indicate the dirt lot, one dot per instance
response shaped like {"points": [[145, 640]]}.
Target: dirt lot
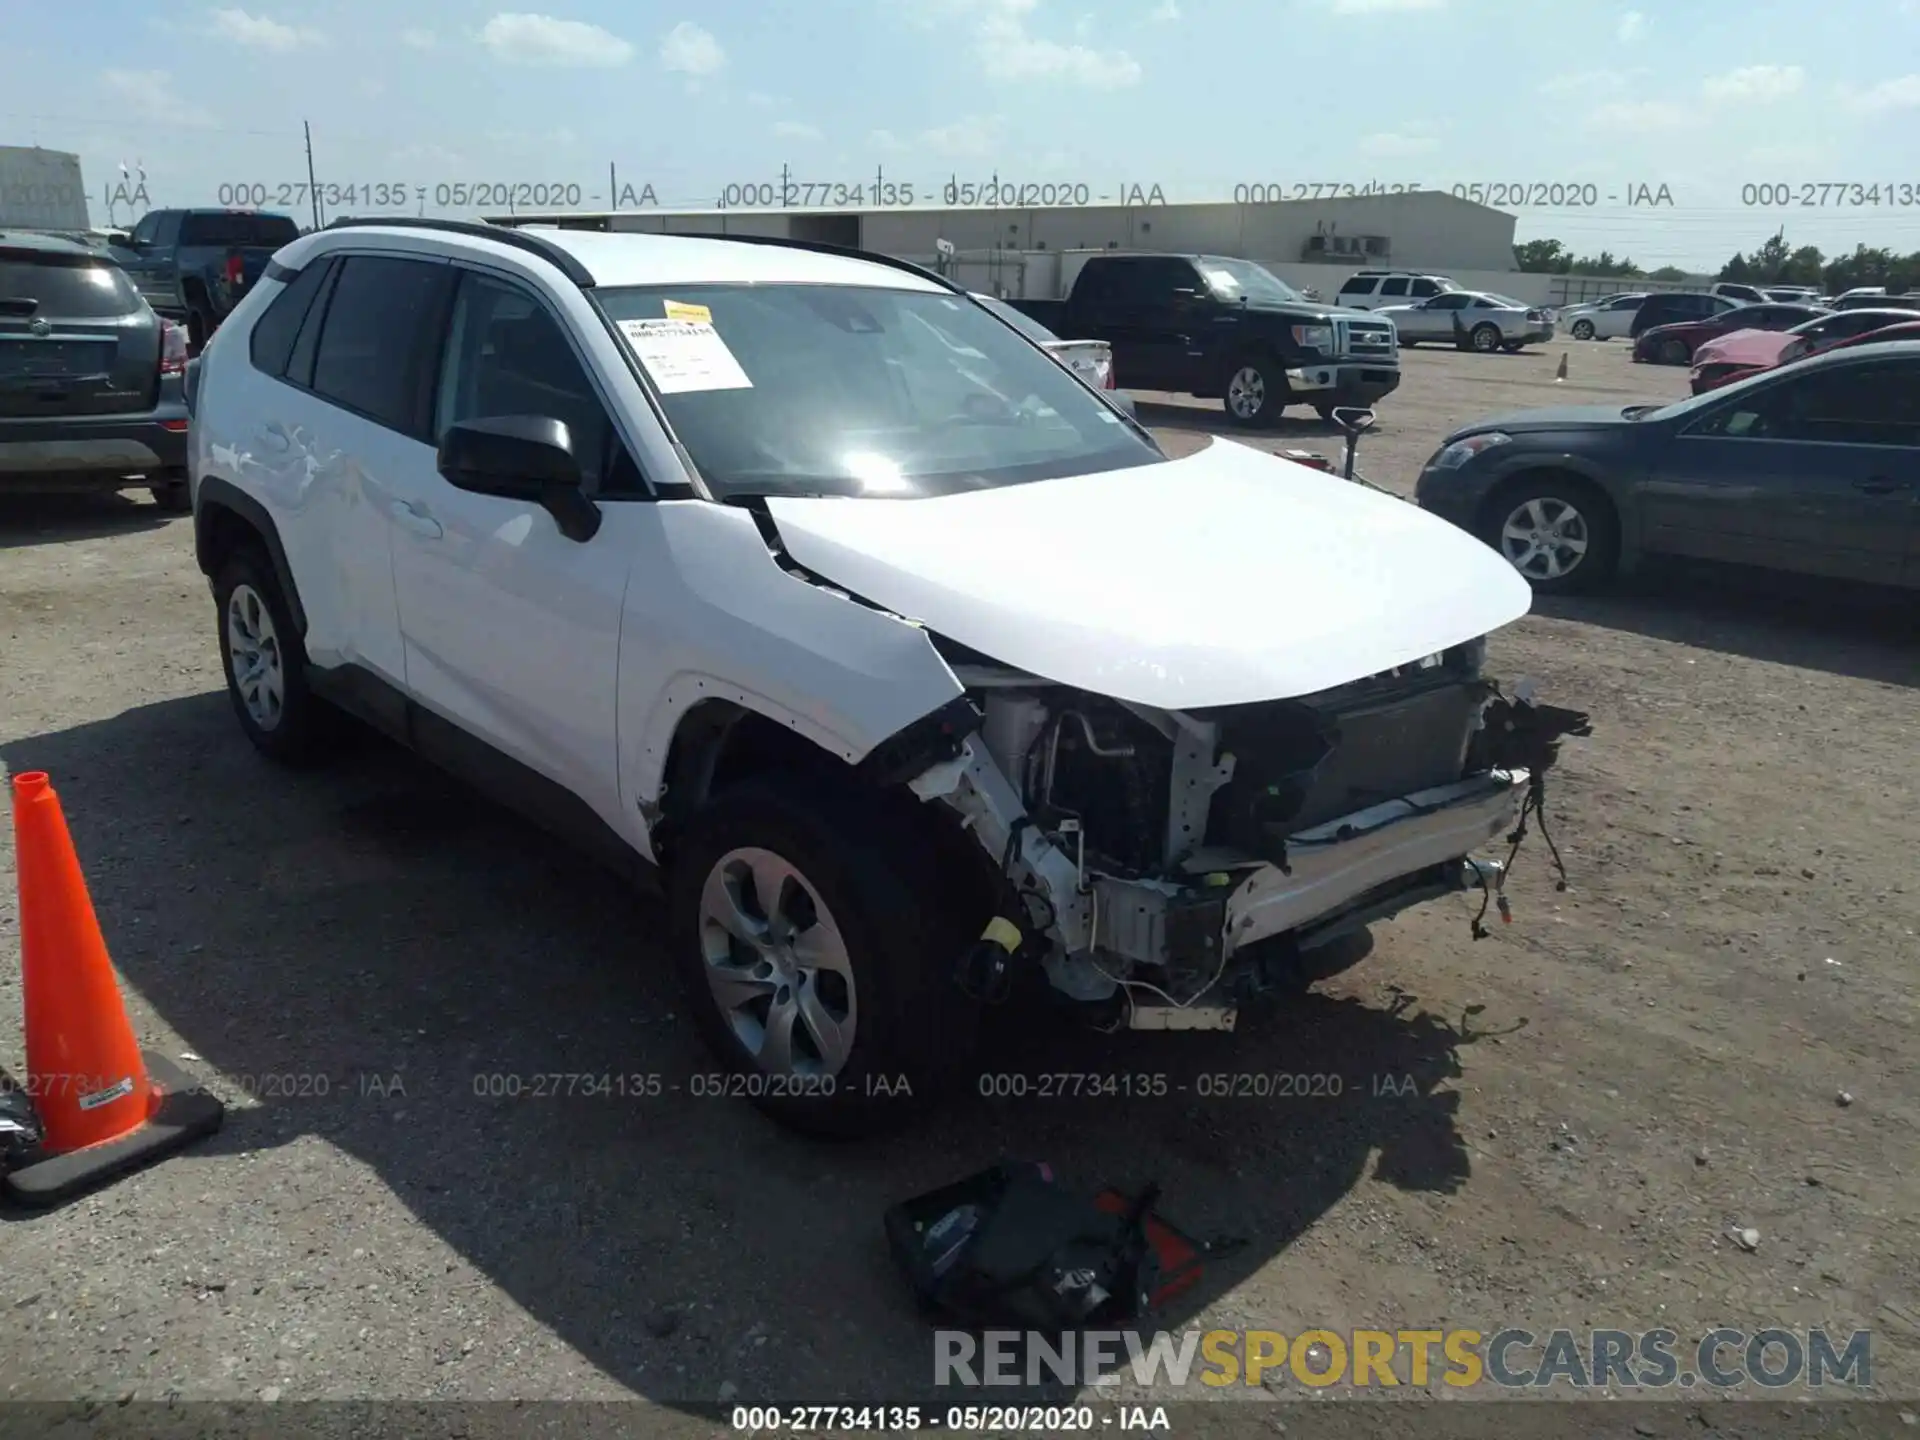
{"points": [[1604, 1088]]}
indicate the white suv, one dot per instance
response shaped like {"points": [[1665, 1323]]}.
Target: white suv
{"points": [[797, 581], [1375, 289]]}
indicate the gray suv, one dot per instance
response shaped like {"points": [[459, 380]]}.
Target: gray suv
{"points": [[91, 379]]}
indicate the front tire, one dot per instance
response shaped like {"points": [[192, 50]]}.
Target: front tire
{"points": [[1484, 337], [1559, 531], [1256, 393], [830, 999], [266, 665], [1583, 330], [1674, 352]]}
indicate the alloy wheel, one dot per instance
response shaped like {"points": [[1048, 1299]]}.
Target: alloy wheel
{"points": [[1545, 538], [254, 658], [777, 964], [1246, 392]]}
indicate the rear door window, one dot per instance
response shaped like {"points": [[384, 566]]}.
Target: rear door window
{"points": [[1396, 286], [375, 335], [1359, 285], [56, 286], [274, 332]]}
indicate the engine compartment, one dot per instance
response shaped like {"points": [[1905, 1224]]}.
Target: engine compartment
{"points": [[1142, 849]]}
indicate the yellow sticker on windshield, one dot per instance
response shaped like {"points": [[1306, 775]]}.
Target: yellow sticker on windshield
{"points": [[679, 310]]}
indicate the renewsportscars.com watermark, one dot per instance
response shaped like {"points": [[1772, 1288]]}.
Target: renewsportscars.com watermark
{"points": [[1513, 1359]]}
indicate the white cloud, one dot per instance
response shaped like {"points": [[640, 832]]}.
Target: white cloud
{"points": [[1010, 53], [149, 96], [691, 51], [1639, 116], [418, 39], [971, 138], [432, 157], [1790, 155], [1384, 7], [1632, 26], [1760, 83], [1901, 93], [522, 39], [1586, 84], [1399, 144], [796, 130], [760, 100], [258, 32], [1165, 10]]}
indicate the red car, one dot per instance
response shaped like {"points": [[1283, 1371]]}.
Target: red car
{"points": [[1719, 374], [1674, 344]]}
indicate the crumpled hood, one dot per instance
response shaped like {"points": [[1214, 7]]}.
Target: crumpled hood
{"points": [[1223, 578]]}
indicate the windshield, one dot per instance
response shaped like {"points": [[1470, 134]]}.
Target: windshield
{"points": [[1234, 279], [862, 391], [1701, 401], [1025, 324]]}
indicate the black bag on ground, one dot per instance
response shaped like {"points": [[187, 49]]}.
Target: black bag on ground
{"points": [[1010, 1248]]}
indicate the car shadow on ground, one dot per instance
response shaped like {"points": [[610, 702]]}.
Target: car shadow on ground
{"points": [[411, 961], [50, 519], [1862, 631]]}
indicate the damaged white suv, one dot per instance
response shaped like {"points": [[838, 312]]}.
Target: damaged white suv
{"points": [[798, 580]]}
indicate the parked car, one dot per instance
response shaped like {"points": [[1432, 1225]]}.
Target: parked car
{"points": [[90, 377], [1743, 351], [1217, 327], [1877, 301], [1671, 306], [1745, 294], [1607, 318], [1092, 360], [1371, 289], [1471, 318], [1813, 467], [698, 549], [1674, 344], [193, 266], [1794, 294]]}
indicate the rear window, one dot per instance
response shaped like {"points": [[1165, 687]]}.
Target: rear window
{"points": [[72, 287], [239, 228]]}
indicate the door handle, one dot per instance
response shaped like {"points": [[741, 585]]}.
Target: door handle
{"points": [[1881, 485], [408, 518]]}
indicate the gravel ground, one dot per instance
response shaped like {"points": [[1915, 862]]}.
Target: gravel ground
{"points": [[1605, 1088]]}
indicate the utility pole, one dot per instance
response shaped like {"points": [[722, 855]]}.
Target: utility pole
{"points": [[613, 186], [313, 189]]}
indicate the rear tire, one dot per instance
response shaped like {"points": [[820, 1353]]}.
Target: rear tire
{"points": [[1674, 352], [1256, 392], [876, 1026], [1484, 337], [1559, 531], [266, 665]]}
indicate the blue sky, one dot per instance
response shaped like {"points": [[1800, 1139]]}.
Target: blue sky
{"points": [[1193, 95]]}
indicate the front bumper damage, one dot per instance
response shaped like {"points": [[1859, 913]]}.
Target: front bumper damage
{"points": [[1209, 923]]}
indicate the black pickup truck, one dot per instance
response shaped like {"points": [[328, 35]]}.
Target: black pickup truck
{"points": [[1227, 330], [194, 265]]}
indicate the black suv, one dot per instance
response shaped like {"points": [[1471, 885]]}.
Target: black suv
{"points": [[91, 380], [1673, 306]]}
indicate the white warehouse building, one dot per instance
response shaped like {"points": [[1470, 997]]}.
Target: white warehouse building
{"points": [[1033, 253]]}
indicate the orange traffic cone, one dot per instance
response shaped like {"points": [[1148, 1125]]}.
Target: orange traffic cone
{"points": [[103, 1107], [1561, 374]]}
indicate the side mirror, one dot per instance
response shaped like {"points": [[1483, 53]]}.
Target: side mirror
{"points": [[521, 457]]}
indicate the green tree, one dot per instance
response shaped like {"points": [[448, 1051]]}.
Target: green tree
{"points": [[1667, 272], [1737, 269], [1605, 263], [1542, 257]]}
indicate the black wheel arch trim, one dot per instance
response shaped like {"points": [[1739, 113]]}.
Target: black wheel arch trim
{"points": [[218, 494], [933, 738]]}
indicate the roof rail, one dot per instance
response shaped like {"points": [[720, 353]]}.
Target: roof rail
{"points": [[819, 247], [534, 244]]}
